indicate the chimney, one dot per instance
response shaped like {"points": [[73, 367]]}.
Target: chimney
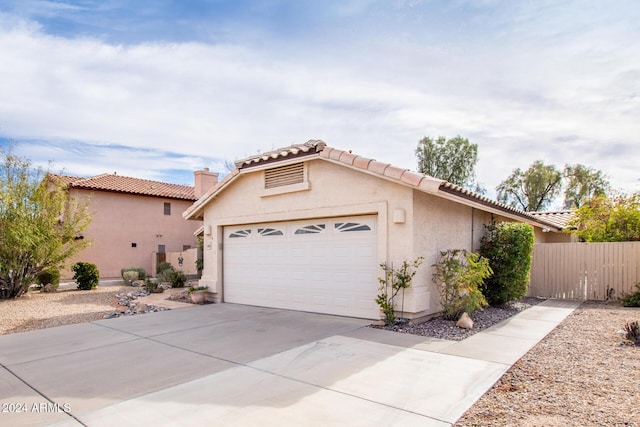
{"points": [[204, 181]]}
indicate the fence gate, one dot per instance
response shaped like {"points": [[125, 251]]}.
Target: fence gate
{"points": [[596, 271]]}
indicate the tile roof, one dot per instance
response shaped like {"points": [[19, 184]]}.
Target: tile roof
{"points": [[419, 181], [557, 218], [298, 150], [128, 185]]}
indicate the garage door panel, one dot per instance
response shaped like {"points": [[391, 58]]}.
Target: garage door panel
{"points": [[326, 266]]}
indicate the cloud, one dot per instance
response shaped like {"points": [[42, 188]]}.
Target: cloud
{"points": [[525, 81]]}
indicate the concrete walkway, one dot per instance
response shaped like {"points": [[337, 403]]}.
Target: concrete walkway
{"points": [[227, 364]]}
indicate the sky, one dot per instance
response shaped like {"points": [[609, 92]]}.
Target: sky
{"points": [[156, 89]]}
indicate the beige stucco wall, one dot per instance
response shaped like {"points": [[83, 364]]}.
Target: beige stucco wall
{"points": [[118, 220], [431, 224]]}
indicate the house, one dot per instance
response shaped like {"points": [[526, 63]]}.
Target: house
{"points": [[306, 228], [134, 218]]}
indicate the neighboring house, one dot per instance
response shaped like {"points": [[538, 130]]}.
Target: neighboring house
{"points": [[306, 228], [134, 218], [560, 219]]}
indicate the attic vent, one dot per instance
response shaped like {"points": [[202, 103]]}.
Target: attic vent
{"points": [[284, 175]]}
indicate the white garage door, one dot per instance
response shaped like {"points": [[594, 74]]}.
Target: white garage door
{"points": [[320, 265]]}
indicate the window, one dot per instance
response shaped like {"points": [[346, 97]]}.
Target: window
{"points": [[284, 175], [269, 232], [186, 247], [134, 245], [311, 229], [240, 233], [161, 249], [351, 226], [167, 208]]}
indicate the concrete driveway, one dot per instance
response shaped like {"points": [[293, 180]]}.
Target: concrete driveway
{"points": [[227, 364]]}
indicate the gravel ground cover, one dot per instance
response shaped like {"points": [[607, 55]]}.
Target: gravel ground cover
{"points": [[438, 327], [581, 374], [38, 310]]}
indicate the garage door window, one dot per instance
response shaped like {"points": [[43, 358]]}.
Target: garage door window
{"points": [[270, 232], [311, 229], [344, 227], [240, 233]]}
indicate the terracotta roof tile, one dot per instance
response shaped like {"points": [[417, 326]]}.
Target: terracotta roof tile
{"points": [[394, 172], [377, 167], [557, 218], [129, 185], [293, 151], [422, 182]]}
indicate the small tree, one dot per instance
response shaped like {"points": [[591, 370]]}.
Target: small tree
{"points": [[459, 274], [396, 279], [40, 225], [608, 219], [508, 246]]}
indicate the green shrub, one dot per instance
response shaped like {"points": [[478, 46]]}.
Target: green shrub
{"points": [[163, 266], [508, 246], [632, 300], [152, 287], [142, 274], [86, 275], [176, 278], [49, 276], [458, 275], [396, 280]]}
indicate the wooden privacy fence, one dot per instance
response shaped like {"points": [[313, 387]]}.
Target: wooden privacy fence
{"points": [[582, 271]]}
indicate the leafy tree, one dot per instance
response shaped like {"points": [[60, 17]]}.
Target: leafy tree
{"points": [[459, 274], [608, 219], [583, 184], [453, 160], [39, 224], [509, 248], [531, 190]]}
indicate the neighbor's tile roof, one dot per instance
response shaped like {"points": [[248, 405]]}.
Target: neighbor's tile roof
{"points": [[557, 218], [318, 148], [128, 185]]}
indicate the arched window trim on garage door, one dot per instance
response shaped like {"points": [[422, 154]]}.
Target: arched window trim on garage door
{"points": [[344, 227], [240, 233], [311, 229], [270, 232]]}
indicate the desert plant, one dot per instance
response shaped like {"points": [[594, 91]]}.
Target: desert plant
{"points": [[176, 278], [163, 266], [86, 275], [142, 274], [508, 246], [50, 276], [632, 332], [152, 287], [459, 274], [197, 288], [396, 279], [164, 274], [129, 276], [633, 299]]}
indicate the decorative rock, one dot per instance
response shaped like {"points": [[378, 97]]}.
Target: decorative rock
{"points": [[49, 287], [465, 321], [378, 323], [137, 283]]}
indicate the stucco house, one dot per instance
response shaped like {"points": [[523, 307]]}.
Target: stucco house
{"points": [[134, 218], [307, 226]]}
